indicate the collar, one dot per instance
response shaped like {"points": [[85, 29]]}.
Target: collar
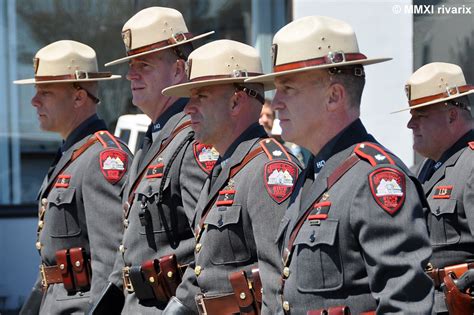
{"points": [[460, 144], [174, 109], [352, 134], [253, 131], [87, 127]]}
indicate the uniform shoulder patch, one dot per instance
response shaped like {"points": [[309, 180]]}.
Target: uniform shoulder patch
{"points": [[113, 164], [206, 156], [388, 188], [373, 153], [471, 145], [280, 177]]}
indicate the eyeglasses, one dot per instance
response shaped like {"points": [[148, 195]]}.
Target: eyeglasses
{"points": [[92, 97]]}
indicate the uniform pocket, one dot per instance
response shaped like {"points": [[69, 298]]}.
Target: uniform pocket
{"points": [[443, 222], [61, 216], [318, 260], [156, 216], [226, 233]]}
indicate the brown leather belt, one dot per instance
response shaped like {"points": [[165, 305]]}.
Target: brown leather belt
{"points": [[50, 275], [438, 274], [217, 305]]}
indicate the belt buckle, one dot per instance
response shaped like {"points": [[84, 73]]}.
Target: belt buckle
{"points": [[44, 281], [201, 305], [127, 284]]}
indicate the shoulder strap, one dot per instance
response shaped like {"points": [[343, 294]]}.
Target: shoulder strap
{"points": [[163, 146], [107, 139], [471, 145], [274, 150], [373, 153]]}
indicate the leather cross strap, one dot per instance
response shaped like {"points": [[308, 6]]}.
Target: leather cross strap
{"points": [[164, 145], [249, 157], [335, 58], [331, 180], [450, 92], [78, 75]]}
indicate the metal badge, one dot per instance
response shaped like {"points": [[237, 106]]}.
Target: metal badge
{"points": [[127, 39], [274, 54], [36, 64]]}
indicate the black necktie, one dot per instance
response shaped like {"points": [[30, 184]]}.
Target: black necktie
{"points": [[216, 170], [58, 156], [147, 141]]}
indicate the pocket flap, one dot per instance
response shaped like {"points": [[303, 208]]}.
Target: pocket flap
{"points": [[442, 206], [221, 218], [61, 196], [312, 235]]}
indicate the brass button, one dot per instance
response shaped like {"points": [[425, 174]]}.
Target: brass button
{"points": [[40, 224], [151, 279], [44, 201], [198, 247], [197, 270], [286, 272], [61, 266], [286, 306], [242, 295], [170, 274], [122, 248], [78, 263], [38, 245], [125, 223]]}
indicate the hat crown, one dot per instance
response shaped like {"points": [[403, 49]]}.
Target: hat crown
{"points": [[434, 78], [224, 58], [152, 25], [313, 37], [65, 57]]}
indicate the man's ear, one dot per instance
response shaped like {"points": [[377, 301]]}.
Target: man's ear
{"points": [[335, 97], [80, 97], [237, 101], [179, 71], [453, 115]]}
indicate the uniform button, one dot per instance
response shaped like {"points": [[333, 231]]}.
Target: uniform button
{"points": [[198, 247], [44, 201], [169, 274], [197, 270], [78, 263], [151, 280], [286, 306], [61, 266], [242, 295], [125, 223], [38, 245], [122, 248], [286, 272], [40, 224]]}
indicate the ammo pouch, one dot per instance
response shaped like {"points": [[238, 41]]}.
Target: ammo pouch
{"points": [[248, 290], [157, 279], [74, 267], [458, 303]]}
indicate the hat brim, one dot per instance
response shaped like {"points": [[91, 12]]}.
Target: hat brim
{"points": [[125, 59], [33, 80], [184, 89], [439, 100], [267, 79]]}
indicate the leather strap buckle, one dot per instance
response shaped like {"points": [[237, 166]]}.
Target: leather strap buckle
{"points": [[201, 304], [335, 57], [178, 37], [44, 281], [452, 90], [81, 75], [127, 284]]}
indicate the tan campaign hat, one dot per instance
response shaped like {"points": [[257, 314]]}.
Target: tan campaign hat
{"points": [[154, 29], [218, 62], [314, 42], [434, 83], [66, 61]]}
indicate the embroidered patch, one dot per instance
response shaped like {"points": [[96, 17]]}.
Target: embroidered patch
{"points": [[225, 198], [113, 164], [155, 171], [388, 188], [279, 176], [443, 192], [62, 181], [206, 156]]}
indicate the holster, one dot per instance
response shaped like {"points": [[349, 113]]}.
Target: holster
{"points": [[110, 302], [80, 268], [62, 260], [458, 303], [334, 310], [244, 292]]}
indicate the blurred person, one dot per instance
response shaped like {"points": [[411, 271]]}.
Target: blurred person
{"points": [[267, 116]]}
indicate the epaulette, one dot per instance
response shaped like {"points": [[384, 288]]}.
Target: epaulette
{"points": [[471, 145], [274, 150], [107, 139], [373, 153]]}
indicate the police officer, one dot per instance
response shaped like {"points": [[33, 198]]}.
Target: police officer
{"points": [[167, 174], [77, 246], [242, 203], [441, 121], [354, 236]]}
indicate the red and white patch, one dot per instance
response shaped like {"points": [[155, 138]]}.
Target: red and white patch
{"points": [[62, 181], [471, 145], [280, 177], [113, 164], [388, 187], [206, 156]]}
